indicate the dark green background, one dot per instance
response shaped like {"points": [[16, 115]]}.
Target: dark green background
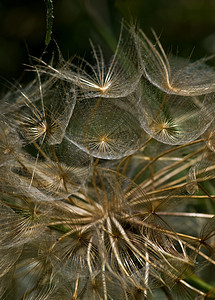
{"points": [[184, 27]]}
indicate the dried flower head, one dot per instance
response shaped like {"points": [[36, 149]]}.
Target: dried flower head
{"points": [[107, 179]]}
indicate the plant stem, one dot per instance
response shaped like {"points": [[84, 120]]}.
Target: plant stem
{"points": [[200, 284]]}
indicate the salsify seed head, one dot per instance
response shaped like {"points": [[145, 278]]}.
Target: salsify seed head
{"points": [[107, 178]]}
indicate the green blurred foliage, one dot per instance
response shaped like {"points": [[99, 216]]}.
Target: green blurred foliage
{"points": [[184, 27]]}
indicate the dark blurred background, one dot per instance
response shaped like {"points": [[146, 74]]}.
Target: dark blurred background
{"points": [[184, 27]]}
